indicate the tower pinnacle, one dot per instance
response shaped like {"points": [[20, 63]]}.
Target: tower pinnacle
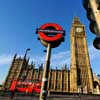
{"points": [[76, 20]]}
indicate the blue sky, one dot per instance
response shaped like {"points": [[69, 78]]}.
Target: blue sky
{"points": [[19, 20]]}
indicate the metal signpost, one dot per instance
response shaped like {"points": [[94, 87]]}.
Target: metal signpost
{"points": [[51, 35]]}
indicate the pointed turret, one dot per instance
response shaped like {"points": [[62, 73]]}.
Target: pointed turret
{"points": [[76, 20], [15, 56], [64, 67], [33, 65]]}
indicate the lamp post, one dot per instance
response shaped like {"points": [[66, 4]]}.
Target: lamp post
{"points": [[24, 74], [28, 49]]}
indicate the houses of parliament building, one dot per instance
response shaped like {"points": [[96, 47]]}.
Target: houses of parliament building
{"points": [[79, 79]]}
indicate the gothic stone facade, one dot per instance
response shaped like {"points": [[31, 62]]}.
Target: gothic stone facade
{"points": [[79, 79], [80, 72]]}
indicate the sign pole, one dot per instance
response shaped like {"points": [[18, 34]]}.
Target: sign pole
{"points": [[50, 35], [43, 93]]}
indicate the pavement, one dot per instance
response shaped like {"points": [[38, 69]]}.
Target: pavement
{"points": [[49, 98], [20, 96]]}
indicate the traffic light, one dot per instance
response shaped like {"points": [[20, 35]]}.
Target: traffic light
{"points": [[92, 8]]}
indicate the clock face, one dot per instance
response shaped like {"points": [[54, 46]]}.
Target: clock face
{"points": [[79, 29]]}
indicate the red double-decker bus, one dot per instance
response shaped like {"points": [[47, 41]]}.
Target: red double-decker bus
{"points": [[25, 86]]}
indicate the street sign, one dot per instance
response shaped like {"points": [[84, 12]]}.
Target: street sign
{"points": [[51, 35], [50, 32]]}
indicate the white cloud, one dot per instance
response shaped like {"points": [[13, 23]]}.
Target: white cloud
{"points": [[60, 55], [5, 59], [61, 58], [93, 53], [57, 59]]}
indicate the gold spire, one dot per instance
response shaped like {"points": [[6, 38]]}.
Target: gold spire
{"points": [[76, 20]]}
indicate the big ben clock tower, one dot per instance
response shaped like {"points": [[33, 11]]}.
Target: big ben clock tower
{"points": [[81, 79]]}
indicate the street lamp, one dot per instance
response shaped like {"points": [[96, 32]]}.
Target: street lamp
{"points": [[28, 49]]}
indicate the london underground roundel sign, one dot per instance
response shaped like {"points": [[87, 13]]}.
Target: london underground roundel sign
{"points": [[50, 32]]}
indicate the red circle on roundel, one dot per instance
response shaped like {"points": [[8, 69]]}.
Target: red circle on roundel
{"points": [[44, 37]]}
